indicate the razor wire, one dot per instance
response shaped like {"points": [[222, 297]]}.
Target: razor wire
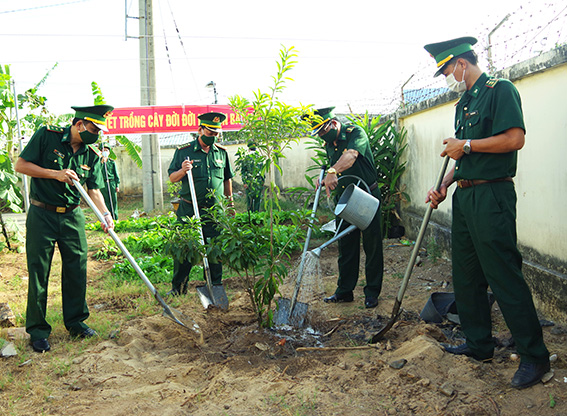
{"points": [[533, 28]]}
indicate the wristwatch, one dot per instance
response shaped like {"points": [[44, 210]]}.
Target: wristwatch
{"points": [[332, 171], [467, 147]]}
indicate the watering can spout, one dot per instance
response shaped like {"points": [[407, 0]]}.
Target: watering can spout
{"points": [[316, 252]]}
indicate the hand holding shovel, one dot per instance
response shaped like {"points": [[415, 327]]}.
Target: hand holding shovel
{"points": [[168, 311]]}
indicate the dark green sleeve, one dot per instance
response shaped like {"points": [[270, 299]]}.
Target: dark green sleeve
{"points": [[115, 169], [96, 180], [34, 149], [357, 140], [175, 164], [506, 108], [228, 172]]}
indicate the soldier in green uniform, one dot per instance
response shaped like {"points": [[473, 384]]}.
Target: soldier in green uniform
{"points": [[348, 152], [112, 182], [54, 157], [490, 130], [211, 171]]}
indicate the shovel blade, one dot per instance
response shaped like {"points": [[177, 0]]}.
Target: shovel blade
{"points": [[218, 298], [297, 316]]}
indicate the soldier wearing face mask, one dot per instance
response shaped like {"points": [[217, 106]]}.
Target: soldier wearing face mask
{"points": [[349, 153], [53, 158], [490, 130], [112, 181], [211, 172]]}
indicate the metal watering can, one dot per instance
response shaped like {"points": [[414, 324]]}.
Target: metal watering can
{"points": [[355, 206]]}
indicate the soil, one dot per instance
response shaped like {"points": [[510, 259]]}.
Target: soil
{"points": [[152, 366]]}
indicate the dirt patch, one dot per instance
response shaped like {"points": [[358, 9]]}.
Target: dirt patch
{"points": [[150, 365]]}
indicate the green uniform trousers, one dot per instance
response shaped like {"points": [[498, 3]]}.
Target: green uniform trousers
{"points": [[181, 270], [485, 254], [253, 202], [44, 230], [349, 257], [110, 199]]}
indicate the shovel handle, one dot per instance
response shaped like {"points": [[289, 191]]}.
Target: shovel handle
{"points": [[418, 241], [198, 216], [115, 237], [306, 245]]}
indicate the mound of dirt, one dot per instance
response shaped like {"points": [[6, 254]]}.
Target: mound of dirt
{"points": [[233, 367]]}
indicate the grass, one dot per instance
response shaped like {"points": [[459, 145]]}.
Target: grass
{"points": [[301, 404], [28, 381]]}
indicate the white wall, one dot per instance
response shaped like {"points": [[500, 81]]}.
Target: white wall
{"points": [[541, 181], [294, 167]]}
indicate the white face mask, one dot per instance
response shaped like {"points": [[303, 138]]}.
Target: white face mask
{"points": [[105, 153], [453, 84]]}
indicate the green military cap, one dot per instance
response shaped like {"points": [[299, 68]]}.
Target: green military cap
{"points": [[326, 114], [212, 120], [443, 52], [96, 114]]}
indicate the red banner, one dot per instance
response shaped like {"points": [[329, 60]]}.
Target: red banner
{"points": [[163, 119]]}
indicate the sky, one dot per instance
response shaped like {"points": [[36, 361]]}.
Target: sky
{"points": [[350, 53]]}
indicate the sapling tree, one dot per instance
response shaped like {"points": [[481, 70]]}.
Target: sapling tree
{"points": [[257, 250]]}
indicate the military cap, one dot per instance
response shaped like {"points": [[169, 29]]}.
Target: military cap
{"points": [[443, 52], [212, 120], [96, 114], [326, 114]]}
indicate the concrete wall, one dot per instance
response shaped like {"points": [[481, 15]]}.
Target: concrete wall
{"points": [[294, 166], [541, 181]]}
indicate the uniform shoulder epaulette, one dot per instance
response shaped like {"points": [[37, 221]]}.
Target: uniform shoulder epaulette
{"points": [[56, 129], [95, 150], [492, 82], [220, 146], [183, 146], [349, 129]]}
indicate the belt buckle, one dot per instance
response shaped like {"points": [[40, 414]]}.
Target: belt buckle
{"points": [[60, 210], [460, 183]]}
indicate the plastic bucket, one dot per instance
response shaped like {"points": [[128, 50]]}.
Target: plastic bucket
{"points": [[357, 206]]}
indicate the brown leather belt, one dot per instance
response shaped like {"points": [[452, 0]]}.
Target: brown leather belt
{"points": [[467, 183], [184, 200], [373, 186], [54, 208]]}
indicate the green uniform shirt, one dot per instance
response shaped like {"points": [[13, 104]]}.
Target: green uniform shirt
{"points": [[210, 171], [50, 148], [113, 177], [490, 107], [353, 137]]}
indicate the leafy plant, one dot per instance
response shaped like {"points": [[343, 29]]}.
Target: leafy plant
{"points": [[433, 250], [250, 165], [10, 195], [388, 146], [132, 149], [272, 126]]}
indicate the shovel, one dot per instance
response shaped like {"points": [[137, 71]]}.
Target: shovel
{"points": [[398, 303], [209, 294], [291, 311], [168, 311]]}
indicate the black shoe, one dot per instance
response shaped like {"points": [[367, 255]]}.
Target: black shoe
{"points": [[173, 292], [370, 302], [41, 345], [336, 298], [87, 333], [529, 374], [463, 349]]}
